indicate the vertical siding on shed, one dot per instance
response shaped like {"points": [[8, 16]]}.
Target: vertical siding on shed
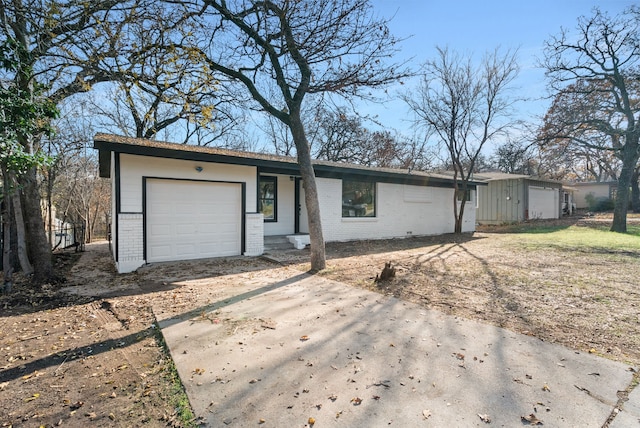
{"points": [[501, 201]]}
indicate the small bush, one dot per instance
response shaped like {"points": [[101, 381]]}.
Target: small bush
{"points": [[600, 203]]}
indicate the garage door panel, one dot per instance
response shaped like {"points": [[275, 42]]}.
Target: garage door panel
{"points": [[188, 220], [162, 250], [187, 250], [186, 229], [543, 203]]}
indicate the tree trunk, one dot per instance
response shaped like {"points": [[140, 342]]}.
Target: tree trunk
{"points": [[7, 267], [25, 265], [459, 218], [457, 214], [635, 190], [318, 260], [629, 162], [39, 248]]}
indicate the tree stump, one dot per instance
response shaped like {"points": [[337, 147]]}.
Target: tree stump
{"points": [[388, 272]]}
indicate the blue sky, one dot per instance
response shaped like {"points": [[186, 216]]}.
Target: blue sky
{"points": [[473, 27]]}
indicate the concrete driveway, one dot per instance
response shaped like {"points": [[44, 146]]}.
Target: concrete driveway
{"points": [[275, 347]]}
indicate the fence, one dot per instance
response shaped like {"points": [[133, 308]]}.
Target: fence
{"points": [[69, 237]]}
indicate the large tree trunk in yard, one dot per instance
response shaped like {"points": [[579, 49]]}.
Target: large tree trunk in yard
{"points": [[7, 267], [635, 190], [37, 243], [23, 257], [318, 260], [629, 161]]}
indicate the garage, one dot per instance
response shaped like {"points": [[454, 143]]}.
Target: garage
{"points": [[543, 203], [187, 219]]}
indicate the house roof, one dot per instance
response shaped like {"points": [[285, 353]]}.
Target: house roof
{"points": [[266, 163], [493, 176], [594, 183]]}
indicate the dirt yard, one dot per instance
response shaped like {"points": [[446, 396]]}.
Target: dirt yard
{"points": [[88, 353]]}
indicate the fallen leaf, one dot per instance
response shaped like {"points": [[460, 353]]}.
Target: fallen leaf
{"points": [[33, 397], [426, 414], [198, 371], [532, 419], [459, 356], [484, 418], [304, 338], [545, 387], [356, 401], [333, 397]]}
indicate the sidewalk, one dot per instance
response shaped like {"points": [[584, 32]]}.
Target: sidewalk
{"points": [[286, 347]]}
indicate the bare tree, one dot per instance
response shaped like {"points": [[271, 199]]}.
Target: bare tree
{"points": [[464, 108], [283, 50], [515, 157], [597, 73], [62, 41], [73, 185], [159, 90]]}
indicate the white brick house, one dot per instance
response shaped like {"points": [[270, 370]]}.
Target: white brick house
{"points": [[179, 202]]}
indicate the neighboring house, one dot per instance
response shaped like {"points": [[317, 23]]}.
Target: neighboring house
{"points": [[599, 190], [568, 200], [179, 202], [513, 198]]}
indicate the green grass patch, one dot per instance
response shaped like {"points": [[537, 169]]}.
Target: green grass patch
{"points": [[178, 395], [592, 238]]}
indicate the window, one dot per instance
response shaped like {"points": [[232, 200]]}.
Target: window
{"points": [[464, 195], [358, 199], [267, 189]]}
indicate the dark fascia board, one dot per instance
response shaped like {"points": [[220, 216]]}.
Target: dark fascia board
{"points": [[104, 162], [273, 166]]}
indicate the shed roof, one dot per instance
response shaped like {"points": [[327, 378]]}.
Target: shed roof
{"points": [[493, 176]]}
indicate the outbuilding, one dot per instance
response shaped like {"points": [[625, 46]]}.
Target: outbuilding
{"points": [[513, 198], [588, 194], [179, 202]]}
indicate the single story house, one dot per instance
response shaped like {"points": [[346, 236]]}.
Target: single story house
{"points": [[178, 202], [599, 190], [513, 198]]}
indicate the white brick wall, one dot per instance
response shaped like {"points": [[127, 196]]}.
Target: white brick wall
{"points": [[402, 211], [254, 235], [130, 245]]}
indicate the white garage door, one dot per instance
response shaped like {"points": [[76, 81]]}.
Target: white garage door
{"points": [[543, 203], [192, 220]]}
